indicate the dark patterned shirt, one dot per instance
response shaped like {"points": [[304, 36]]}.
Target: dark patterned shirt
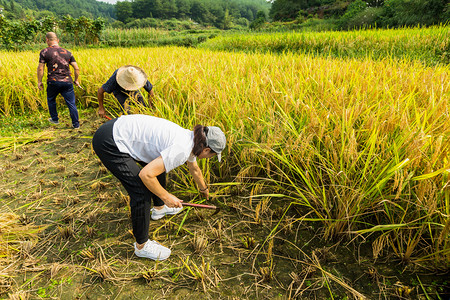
{"points": [[58, 62]]}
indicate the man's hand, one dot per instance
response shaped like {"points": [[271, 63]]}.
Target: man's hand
{"points": [[78, 84], [101, 112], [101, 109], [40, 75]]}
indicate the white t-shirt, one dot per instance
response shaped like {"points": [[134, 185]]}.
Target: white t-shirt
{"points": [[146, 138]]}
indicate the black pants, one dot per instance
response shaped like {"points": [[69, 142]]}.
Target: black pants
{"points": [[125, 168]]}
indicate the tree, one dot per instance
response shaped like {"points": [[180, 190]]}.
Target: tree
{"points": [[375, 3], [143, 9], [184, 8], [48, 23], [289, 9], [259, 21], [227, 21], [169, 9], [352, 11], [124, 11], [199, 11], [207, 12], [413, 12], [286, 9]]}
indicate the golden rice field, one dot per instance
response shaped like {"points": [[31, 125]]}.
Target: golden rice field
{"points": [[429, 45], [360, 148]]}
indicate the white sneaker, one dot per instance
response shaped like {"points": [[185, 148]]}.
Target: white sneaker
{"points": [[159, 213], [153, 250]]}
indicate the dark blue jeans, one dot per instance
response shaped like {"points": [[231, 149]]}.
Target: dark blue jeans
{"points": [[66, 90]]}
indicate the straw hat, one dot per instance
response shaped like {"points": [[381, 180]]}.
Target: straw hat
{"points": [[131, 78]]}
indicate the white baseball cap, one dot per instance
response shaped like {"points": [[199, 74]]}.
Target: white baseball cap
{"points": [[216, 140]]}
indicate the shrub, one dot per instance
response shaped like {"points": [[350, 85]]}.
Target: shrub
{"points": [[243, 22], [366, 18], [414, 12], [353, 9], [117, 24]]}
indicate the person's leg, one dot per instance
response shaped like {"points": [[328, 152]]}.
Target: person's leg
{"points": [[140, 99], [52, 92], [124, 168], [121, 98], [69, 96]]}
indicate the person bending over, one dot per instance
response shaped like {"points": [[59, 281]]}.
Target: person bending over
{"points": [[159, 146], [124, 84]]}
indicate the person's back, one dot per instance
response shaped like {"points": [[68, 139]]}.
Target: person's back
{"points": [[124, 84], [59, 80], [147, 137], [58, 62]]}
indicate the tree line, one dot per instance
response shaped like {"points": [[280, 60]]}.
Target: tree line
{"points": [[217, 13], [23, 21], [80, 31], [359, 13], [15, 9]]}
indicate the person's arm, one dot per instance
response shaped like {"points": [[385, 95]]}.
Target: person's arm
{"points": [[76, 73], [198, 178], [100, 97], [110, 86], [40, 75], [151, 96], [148, 176]]}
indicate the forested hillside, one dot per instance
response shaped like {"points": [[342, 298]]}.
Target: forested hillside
{"points": [[364, 13], [75, 8], [217, 13], [21, 19]]}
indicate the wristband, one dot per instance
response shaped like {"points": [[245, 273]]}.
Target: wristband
{"points": [[202, 190]]}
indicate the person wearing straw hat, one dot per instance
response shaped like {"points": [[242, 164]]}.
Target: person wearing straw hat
{"points": [[59, 81], [124, 84], [158, 146]]}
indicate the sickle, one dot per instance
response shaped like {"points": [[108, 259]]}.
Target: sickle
{"points": [[202, 206]]}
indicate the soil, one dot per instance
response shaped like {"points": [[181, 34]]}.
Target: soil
{"points": [[84, 249]]}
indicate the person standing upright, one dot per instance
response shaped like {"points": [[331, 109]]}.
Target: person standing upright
{"points": [[59, 80]]}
